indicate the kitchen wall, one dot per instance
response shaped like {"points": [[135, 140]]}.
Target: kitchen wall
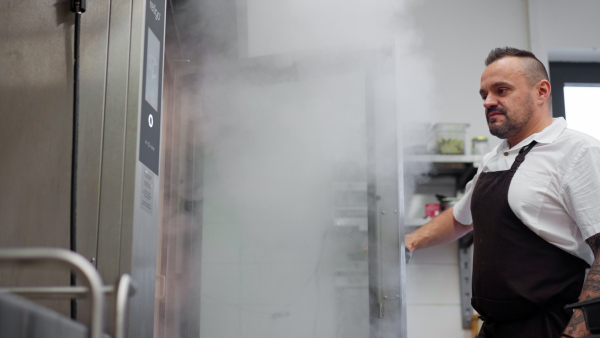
{"points": [[564, 30], [457, 36]]}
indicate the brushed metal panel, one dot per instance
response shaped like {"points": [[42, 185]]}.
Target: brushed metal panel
{"points": [[93, 73], [36, 104], [143, 260], [93, 68], [139, 228], [389, 186], [109, 233], [35, 133], [113, 147], [134, 88]]}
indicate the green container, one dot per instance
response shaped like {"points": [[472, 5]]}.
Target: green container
{"points": [[450, 138]]}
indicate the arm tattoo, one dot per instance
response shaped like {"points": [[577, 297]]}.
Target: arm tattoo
{"points": [[576, 320], [594, 243], [591, 289]]}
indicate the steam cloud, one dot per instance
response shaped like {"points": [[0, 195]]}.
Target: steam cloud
{"points": [[275, 102]]}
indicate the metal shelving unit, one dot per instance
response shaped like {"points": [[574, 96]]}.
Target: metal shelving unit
{"points": [[461, 166]]}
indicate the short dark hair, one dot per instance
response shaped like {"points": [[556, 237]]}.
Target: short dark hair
{"points": [[534, 68]]}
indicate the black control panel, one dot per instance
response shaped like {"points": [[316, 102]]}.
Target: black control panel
{"points": [[152, 81]]}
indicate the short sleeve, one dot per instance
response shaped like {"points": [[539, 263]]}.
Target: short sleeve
{"points": [[581, 191], [462, 209]]}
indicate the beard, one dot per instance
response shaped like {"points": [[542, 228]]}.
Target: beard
{"points": [[513, 123]]}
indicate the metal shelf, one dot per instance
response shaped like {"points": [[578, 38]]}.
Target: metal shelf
{"points": [[436, 158], [443, 158]]}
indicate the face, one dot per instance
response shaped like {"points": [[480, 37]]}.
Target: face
{"points": [[507, 97]]}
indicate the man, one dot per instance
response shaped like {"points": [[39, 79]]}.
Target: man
{"points": [[532, 207]]}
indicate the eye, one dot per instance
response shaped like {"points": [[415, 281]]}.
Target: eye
{"points": [[502, 90]]}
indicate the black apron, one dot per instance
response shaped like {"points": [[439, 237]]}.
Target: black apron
{"points": [[521, 283]]}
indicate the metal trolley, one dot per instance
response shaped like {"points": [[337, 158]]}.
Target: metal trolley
{"points": [[93, 289]]}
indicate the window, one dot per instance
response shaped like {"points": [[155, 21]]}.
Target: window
{"points": [[576, 87]]}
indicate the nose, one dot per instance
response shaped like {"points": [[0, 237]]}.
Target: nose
{"points": [[490, 101]]}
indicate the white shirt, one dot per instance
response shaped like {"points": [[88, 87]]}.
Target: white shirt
{"points": [[556, 190]]}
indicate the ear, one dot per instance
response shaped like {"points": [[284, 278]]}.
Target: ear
{"points": [[543, 90]]}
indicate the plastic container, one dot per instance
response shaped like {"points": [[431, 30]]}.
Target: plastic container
{"points": [[480, 145], [450, 138]]}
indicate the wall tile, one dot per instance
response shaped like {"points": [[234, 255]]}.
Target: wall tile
{"points": [[425, 321], [295, 321], [221, 243], [220, 283], [432, 284], [220, 319], [439, 254], [283, 283]]}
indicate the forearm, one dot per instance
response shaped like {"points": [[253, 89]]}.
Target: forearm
{"points": [[591, 289], [440, 230]]}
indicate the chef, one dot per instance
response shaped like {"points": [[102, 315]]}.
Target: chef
{"points": [[533, 208]]}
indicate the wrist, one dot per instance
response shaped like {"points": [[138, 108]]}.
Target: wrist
{"points": [[409, 243]]}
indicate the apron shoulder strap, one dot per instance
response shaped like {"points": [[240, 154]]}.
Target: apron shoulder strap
{"points": [[522, 153]]}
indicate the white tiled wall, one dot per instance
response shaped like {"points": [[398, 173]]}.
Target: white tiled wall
{"points": [[435, 321], [432, 293]]}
